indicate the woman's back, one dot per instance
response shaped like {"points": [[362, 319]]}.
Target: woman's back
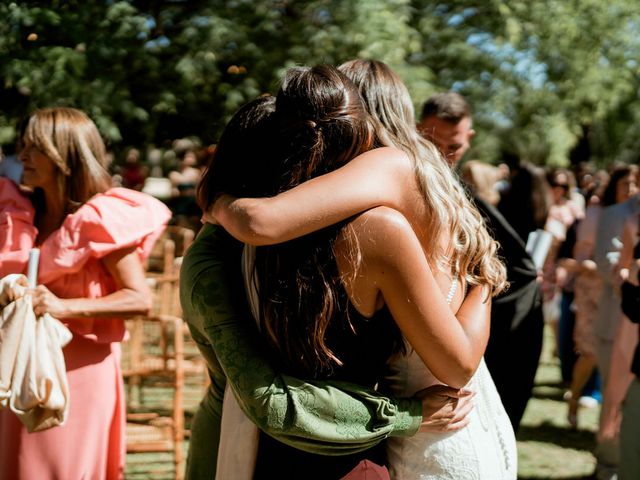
{"points": [[363, 352], [362, 335], [486, 447], [363, 346], [411, 204]]}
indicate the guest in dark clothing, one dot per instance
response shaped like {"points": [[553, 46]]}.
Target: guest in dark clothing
{"points": [[515, 341], [525, 204]]}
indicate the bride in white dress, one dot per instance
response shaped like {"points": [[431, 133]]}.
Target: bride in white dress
{"points": [[484, 449], [453, 239]]}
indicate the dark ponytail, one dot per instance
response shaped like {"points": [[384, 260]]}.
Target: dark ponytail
{"points": [[323, 124]]}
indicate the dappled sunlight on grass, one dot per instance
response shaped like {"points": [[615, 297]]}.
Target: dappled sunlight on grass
{"points": [[547, 447]]}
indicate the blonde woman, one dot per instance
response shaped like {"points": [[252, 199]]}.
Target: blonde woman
{"points": [[93, 240], [456, 250], [482, 178]]}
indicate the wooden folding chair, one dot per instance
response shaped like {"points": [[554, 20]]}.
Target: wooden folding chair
{"points": [[153, 369], [160, 359]]}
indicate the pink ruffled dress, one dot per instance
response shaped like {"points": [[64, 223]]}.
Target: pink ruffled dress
{"points": [[91, 444], [16, 228]]}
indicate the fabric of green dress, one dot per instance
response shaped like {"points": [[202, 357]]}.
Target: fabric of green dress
{"points": [[323, 417]]}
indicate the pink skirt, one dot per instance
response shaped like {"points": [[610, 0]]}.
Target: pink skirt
{"points": [[586, 296], [91, 444], [367, 470]]}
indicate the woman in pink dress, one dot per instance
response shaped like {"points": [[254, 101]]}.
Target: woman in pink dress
{"points": [[93, 240], [589, 282]]}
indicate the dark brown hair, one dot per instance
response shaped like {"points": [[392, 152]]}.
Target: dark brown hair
{"points": [[323, 124], [448, 106], [525, 205], [241, 164], [609, 196]]}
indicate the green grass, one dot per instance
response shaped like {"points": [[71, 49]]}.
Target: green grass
{"points": [[547, 448]]}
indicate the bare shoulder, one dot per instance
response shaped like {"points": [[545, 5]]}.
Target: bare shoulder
{"points": [[381, 229], [387, 157], [383, 217]]}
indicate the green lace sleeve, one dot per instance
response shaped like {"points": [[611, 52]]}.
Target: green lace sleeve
{"points": [[330, 418]]}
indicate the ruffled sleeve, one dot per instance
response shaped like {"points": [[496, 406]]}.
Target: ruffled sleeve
{"points": [[17, 233], [117, 219]]}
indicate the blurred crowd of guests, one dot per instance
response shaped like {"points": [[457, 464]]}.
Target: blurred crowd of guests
{"points": [[171, 175], [591, 214]]}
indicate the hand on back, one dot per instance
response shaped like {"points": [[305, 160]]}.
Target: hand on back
{"points": [[445, 409]]}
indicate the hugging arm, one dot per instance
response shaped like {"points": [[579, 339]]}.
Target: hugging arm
{"points": [[330, 418], [451, 347], [379, 177]]}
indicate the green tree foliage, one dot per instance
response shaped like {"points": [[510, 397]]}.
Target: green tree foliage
{"points": [[543, 76]]}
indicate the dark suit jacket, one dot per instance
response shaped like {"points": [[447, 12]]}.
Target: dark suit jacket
{"points": [[515, 341], [523, 294]]}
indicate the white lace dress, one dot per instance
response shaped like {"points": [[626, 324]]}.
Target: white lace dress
{"points": [[483, 450]]}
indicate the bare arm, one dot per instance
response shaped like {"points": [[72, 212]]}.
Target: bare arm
{"points": [[132, 297], [586, 234], [629, 238], [375, 178], [620, 377], [395, 262], [297, 412]]}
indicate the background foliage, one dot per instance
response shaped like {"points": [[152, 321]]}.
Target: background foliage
{"points": [[550, 80]]}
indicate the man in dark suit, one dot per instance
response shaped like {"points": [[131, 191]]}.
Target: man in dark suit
{"points": [[515, 341]]}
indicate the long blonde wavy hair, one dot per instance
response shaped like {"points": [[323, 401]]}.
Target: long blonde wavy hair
{"points": [[472, 251]]}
